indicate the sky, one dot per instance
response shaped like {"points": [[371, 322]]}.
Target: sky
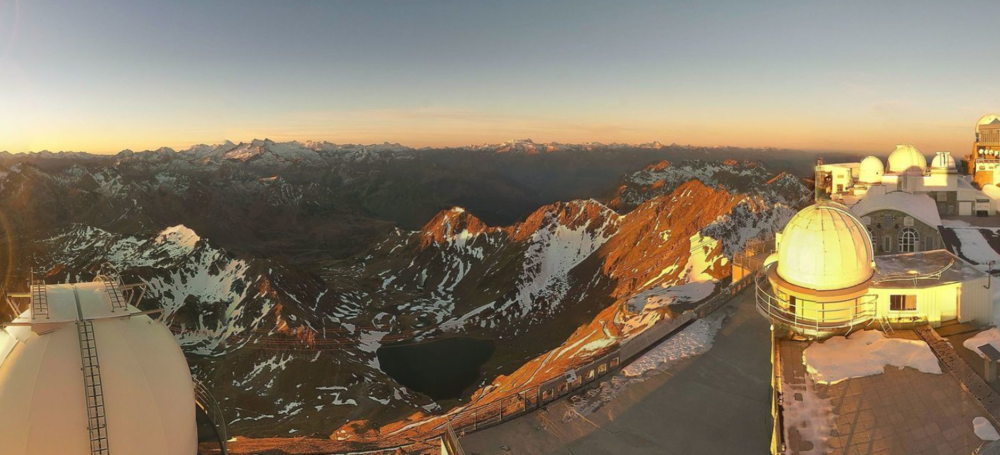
{"points": [[103, 76]]}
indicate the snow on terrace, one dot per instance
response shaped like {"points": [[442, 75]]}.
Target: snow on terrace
{"points": [[984, 429], [865, 353], [694, 340], [991, 336]]}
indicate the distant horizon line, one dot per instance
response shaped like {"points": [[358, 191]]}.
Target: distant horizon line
{"points": [[647, 144]]}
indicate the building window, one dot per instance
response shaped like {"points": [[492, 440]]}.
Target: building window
{"points": [[871, 236], [908, 240], [887, 244], [903, 303], [928, 243]]}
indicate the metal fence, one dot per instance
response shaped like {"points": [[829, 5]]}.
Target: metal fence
{"points": [[777, 400], [807, 315], [531, 398]]}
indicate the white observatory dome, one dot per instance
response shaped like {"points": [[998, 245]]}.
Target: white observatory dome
{"points": [[906, 157], [143, 383], [871, 170], [824, 247], [987, 119], [943, 161]]}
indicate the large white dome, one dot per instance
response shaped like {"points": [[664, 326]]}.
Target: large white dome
{"points": [[824, 247], [871, 170], [148, 393], [906, 157]]}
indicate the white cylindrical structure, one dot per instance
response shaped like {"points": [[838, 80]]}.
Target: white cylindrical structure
{"points": [[146, 391]]}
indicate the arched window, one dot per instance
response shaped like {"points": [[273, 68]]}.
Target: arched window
{"points": [[871, 236], [909, 240]]}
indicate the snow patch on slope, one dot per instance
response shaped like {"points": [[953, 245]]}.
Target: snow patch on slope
{"points": [[865, 353], [179, 235]]}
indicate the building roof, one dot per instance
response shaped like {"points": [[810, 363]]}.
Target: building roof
{"points": [[824, 247], [917, 205], [988, 119], [147, 389], [921, 270], [906, 157]]}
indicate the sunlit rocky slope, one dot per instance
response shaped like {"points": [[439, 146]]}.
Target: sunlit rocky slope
{"points": [[289, 341]]}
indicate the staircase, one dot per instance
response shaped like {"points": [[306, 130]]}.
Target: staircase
{"points": [[39, 300], [117, 301], [94, 391]]}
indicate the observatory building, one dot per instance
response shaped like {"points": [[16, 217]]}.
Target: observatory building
{"points": [[83, 371], [984, 162], [909, 172], [825, 279]]}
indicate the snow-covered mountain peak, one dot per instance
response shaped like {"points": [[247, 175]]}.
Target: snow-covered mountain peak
{"points": [[179, 235], [450, 225]]}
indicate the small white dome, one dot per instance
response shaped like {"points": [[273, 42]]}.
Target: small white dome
{"points": [[871, 170], [824, 247], [944, 161], [988, 119], [905, 157]]}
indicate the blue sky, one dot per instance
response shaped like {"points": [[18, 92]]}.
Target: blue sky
{"points": [[102, 76]]}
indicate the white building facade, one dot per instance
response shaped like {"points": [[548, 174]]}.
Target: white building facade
{"points": [[825, 279]]}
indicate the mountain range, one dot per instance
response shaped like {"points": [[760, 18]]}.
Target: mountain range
{"points": [[287, 270]]}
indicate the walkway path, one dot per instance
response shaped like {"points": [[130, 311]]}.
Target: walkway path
{"points": [[975, 384], [716, 402]]}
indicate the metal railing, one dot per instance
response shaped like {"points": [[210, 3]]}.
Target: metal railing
{"points": [[207, 403], [531, 398], [450, 444], [811, 315], [778, 445]]}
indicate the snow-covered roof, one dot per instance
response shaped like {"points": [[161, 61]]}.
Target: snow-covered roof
{"points": [[824, 247], [148, 394], [919, 206]]}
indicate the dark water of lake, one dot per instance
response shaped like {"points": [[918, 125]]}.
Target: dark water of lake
{"points": [[442, 369]]}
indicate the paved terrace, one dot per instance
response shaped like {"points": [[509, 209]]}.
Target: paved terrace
{"points": [[901, 411], [714, 403]]}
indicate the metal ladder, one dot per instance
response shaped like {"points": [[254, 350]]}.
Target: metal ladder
{"points": [[117, 302], [39, 300], [886, 327], [96, 418]]}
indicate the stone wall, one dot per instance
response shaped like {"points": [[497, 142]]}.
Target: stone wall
{"points": [[883, 223]]}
